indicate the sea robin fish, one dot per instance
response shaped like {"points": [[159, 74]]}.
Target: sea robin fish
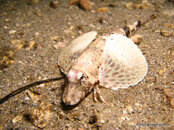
{"points": [[113, 61]]}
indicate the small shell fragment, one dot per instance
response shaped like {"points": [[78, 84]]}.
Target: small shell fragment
{"points": [[17, 118]]}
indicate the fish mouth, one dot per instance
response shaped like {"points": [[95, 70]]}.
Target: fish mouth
{"points": [[73, 93]]}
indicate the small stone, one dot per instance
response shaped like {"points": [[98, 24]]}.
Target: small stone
{"points": [[129, 5], [38, 13], [32, 45], [53, 4], [59, 45], [17, 44], [170, 51], [161, 72], [17, 118], [41, 116], [137, 39], [73, 2], [7, 20], [167, 33], [168, 25], [169, 93], [12, 31], [143, 5], [35, 97], [16, 41], [86, 4], [102, 9], [36, 34]]}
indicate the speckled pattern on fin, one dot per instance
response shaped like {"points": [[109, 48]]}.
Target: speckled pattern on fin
{"points": [[74, 49], [124, 64]]}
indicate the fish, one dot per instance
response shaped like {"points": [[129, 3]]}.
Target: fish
{"points": [[112, 61]]}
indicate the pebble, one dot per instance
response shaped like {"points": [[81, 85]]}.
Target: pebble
{"points": [[86, 4], [167, 33], [7, 20], [168, 92], [102, 9], [40, 117], [129, 5], [36, 34], [137, 39], [31, 45], [16, 41], [17, 118], [59, 45], [73, 2], [143, 5], [162, 71], [17, 44], [168, 25], [54, 4], [12, 31], [38, 12], [170, 52], [34, 97]]}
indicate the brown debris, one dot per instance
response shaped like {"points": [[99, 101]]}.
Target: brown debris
{"points": [[168, 25], [41, 116], [38, 12], [34, 97], [86, 4], [162, 71], [102, 9], [53, 4], [59, 45], [169, 92], [137, 39], [129, 5], [170, 51], [73, 2], [167, 33], [17, 118], [143, 5], [6, 56]]}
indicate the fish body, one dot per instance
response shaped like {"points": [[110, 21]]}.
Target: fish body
{"points": [[112, 61]]}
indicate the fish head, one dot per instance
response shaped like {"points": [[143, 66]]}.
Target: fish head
{"points": [[76, 88]]}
